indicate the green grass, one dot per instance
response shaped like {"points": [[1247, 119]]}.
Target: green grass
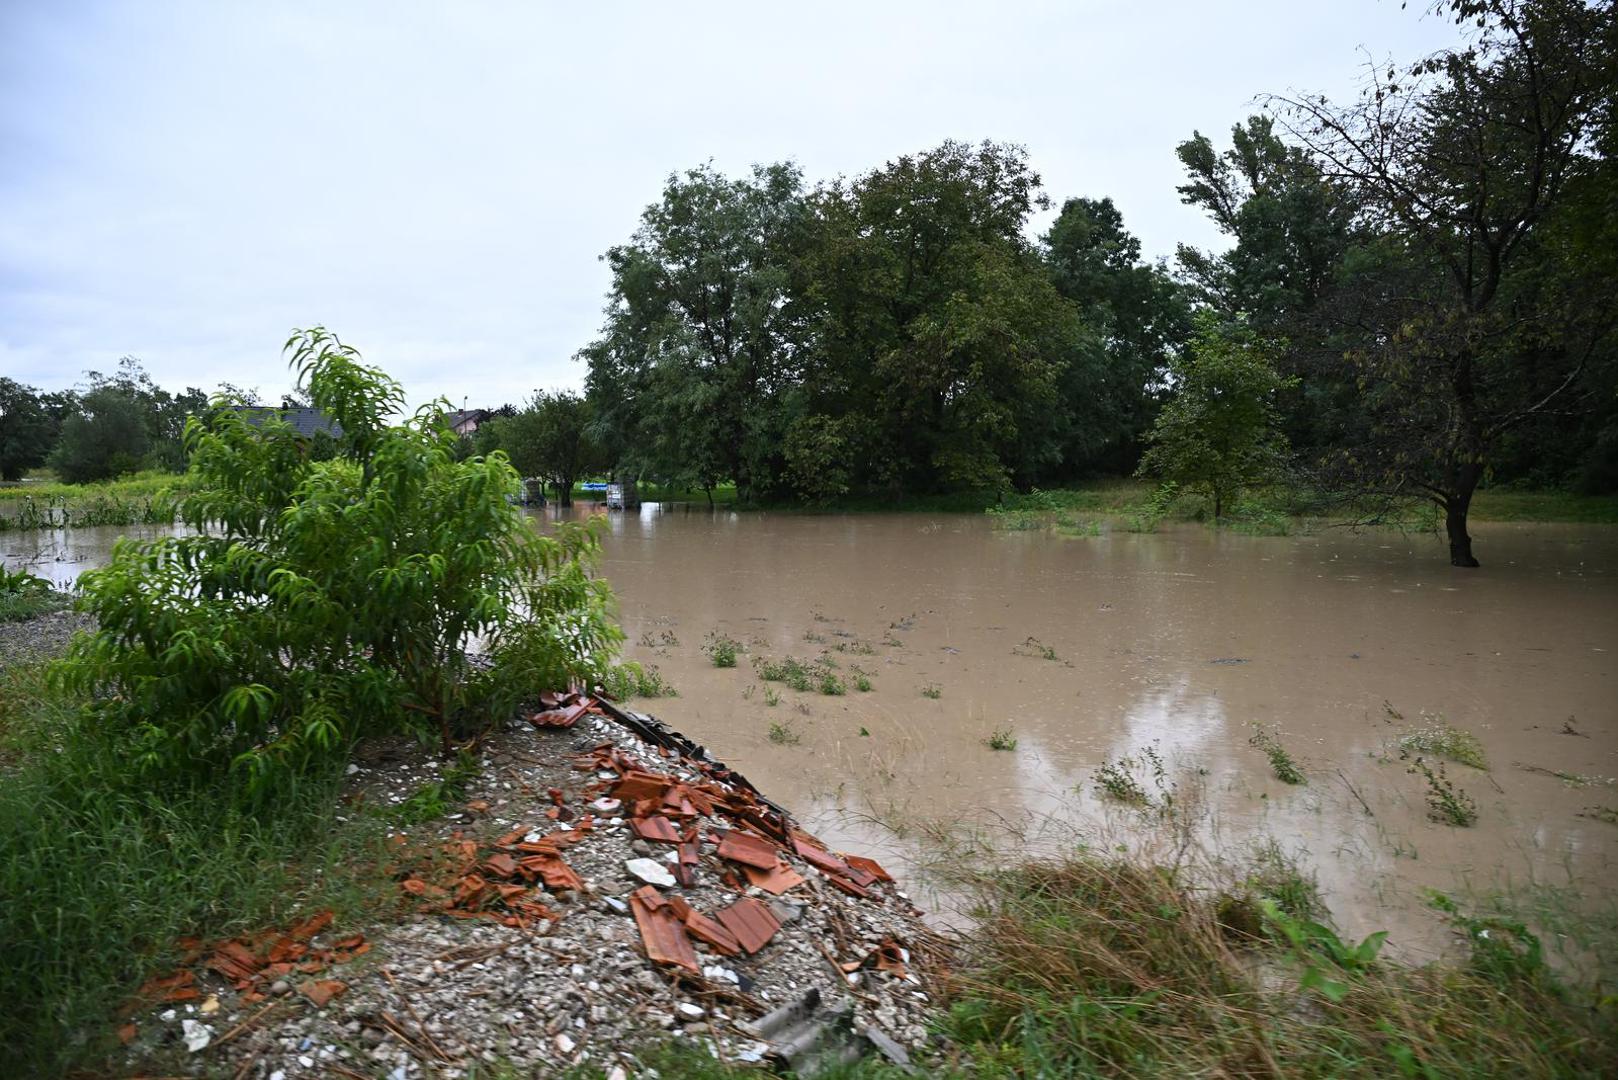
{"points": [[99, 879], [1281, 763], [632, 680], [1089, 966], [146, 498], [1504, 504], [722, 649], [1001, 739]]}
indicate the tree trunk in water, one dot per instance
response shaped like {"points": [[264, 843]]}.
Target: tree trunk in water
{"points": [[1460, 542], [564, 494]]}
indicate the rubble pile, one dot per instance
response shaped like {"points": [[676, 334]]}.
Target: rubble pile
{"points": [[608, 887]]}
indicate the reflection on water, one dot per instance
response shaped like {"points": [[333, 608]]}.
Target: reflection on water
{"points": [[1180, 640]]}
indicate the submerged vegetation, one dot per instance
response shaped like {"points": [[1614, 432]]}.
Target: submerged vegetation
{"points": [[1439, 739], [1286, 770]]}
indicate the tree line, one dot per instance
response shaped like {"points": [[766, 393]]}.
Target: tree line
{"points": [[1417, 297]]}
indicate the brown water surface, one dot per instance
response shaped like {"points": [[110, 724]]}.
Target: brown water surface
{"points": [[1179, 641]]}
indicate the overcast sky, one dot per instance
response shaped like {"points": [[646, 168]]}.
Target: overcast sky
{"points": [[185, 182]]}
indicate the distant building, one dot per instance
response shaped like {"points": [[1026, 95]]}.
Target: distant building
{"points": [[306, 422], [465, 421]]}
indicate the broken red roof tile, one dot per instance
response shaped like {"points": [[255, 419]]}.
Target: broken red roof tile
{"points": [[661, 931], [636, 784], [748, 849], [234, 962], [867, 866], [501, 865], [551, 869], [776, 880], [752, 923], [320, 991], [657, 828], [818, 857], [848, 886], [311, 926]]}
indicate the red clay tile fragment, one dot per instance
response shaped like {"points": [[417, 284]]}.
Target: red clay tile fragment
{"points": [[661, 930], [320, 991], [637, 784], [748, 850], [657, 828], [752, 923], [501, 865], [776, 880], [310, 926], [819, 858]]}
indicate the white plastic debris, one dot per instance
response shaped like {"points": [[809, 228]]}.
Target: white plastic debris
{"points": [[564, 1043], [690, 1011], [650, 871], [197, 1034]]}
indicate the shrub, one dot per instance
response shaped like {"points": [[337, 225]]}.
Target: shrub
{"points": [[1286, 770], [1001, 739], [1442, 740], [321, 601]]}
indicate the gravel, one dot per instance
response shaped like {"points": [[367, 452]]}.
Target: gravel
{"points": [[438, 996]]}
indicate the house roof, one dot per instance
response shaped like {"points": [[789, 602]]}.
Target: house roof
{"points": [[306, 422], [460, 416]]}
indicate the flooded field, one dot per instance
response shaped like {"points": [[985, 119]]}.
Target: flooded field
{"points": [[1098, 649]]}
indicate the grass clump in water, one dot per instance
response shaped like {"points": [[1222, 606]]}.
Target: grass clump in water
{"points": [[722, 649], [631, 680], [1446, 803], [932, 690], [1439, 739], [1001, 739], [784, 734], [1286, 770]]}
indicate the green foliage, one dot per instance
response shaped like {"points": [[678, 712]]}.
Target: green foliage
{"points": [[1001, 739], [1036, 648], [1440, 739], [322, 601], [1446, 803], [1089, 966], [933, 691], [101, 875], [1118, 780], [28, 428], [783, 733], [105, 437], [552, 438], [24, 595], [1286, 770], [1218, 434], [862, 682], [722, 649], [436, 798], [631, 680]]}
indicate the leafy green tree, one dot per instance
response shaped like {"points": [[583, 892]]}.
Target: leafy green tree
{"points": [[107, 435], [1218, 434], [27, 429], [319, 602], [937, 339], [699, 294], [1463, 165], [1138, 315], [553, 438]]}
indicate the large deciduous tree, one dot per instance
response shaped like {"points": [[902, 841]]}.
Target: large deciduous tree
{"points": [[1139, 316], [27, 429], [939, 341], [1474, 321], [698, 310]]}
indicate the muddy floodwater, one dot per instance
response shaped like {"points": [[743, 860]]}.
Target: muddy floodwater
{"points": [[1097, 649]]}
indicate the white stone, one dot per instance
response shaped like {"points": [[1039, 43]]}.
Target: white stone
{"points": [[650, 871], [197, 1034], [564, 1043]]}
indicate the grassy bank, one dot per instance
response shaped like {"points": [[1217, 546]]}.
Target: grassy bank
{"points": [[146, 498], [100, 879]]}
